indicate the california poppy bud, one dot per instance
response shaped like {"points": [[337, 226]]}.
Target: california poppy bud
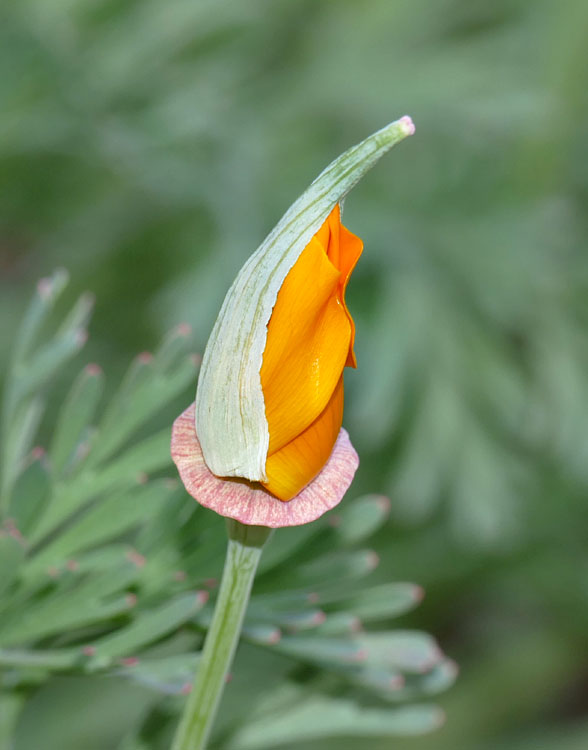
{"points": [[269, 403]]}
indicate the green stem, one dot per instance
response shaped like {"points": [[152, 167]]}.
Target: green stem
{"points": [[243, 553]]}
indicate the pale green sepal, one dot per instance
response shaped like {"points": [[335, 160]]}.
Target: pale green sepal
{"points": [[230, 411]]}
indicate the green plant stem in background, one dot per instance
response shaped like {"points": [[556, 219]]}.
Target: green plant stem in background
{"points": [[243, 553]]}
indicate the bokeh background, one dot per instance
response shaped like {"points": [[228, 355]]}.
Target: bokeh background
{"points": [[149, 146]]}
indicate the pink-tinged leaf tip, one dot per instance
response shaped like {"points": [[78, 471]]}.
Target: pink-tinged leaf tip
{"points": [[356, 625], [435, 657], [360, 655], [274, 637], [136, 558], [81, 336], [131, 600], [12, 530], [452, 667], [397, 682], [45, 289], [249, 503], [82, 450], [440, 718], [183, 329], [373, 559], [130, 661], [202, 597], [319, 618], [384, 503], [407, 124]]}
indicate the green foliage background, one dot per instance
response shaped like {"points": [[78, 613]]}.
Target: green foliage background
{"points": [[148, 147]]}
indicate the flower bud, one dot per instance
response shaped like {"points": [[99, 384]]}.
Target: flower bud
{"points": [[272, 368]]}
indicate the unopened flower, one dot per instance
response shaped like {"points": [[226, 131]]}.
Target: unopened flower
{"points": [[264, 443]]}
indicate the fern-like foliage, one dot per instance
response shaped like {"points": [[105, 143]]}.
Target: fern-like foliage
{"points": [[110, 569]]}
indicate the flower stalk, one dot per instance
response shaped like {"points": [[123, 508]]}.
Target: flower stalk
{"points": [[243, 554]]}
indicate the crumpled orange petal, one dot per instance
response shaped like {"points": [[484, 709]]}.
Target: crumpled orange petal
{"points": [[343, 250], [309, 342], [307, 346]]}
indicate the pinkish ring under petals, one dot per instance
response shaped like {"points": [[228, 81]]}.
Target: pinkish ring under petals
{"points": [[249, 503]]}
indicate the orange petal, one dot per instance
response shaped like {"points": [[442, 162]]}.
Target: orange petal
{"points": [[343, 250], [310, 333], [350, 248], [291, 468], [309, 342], [307, 346]]}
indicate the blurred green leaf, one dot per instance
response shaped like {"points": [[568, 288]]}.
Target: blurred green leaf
{"points": [[323, 717], [384, 601], [75, 417], [360, 519], [141, 396], [116, 705], [48, 291], [149, 455], [18, 441], [11, 558], [30, 495], [170, 674], [152, 625], [111, 517]]}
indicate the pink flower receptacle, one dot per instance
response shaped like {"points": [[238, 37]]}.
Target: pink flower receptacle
{"points": [[249, 502]]}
